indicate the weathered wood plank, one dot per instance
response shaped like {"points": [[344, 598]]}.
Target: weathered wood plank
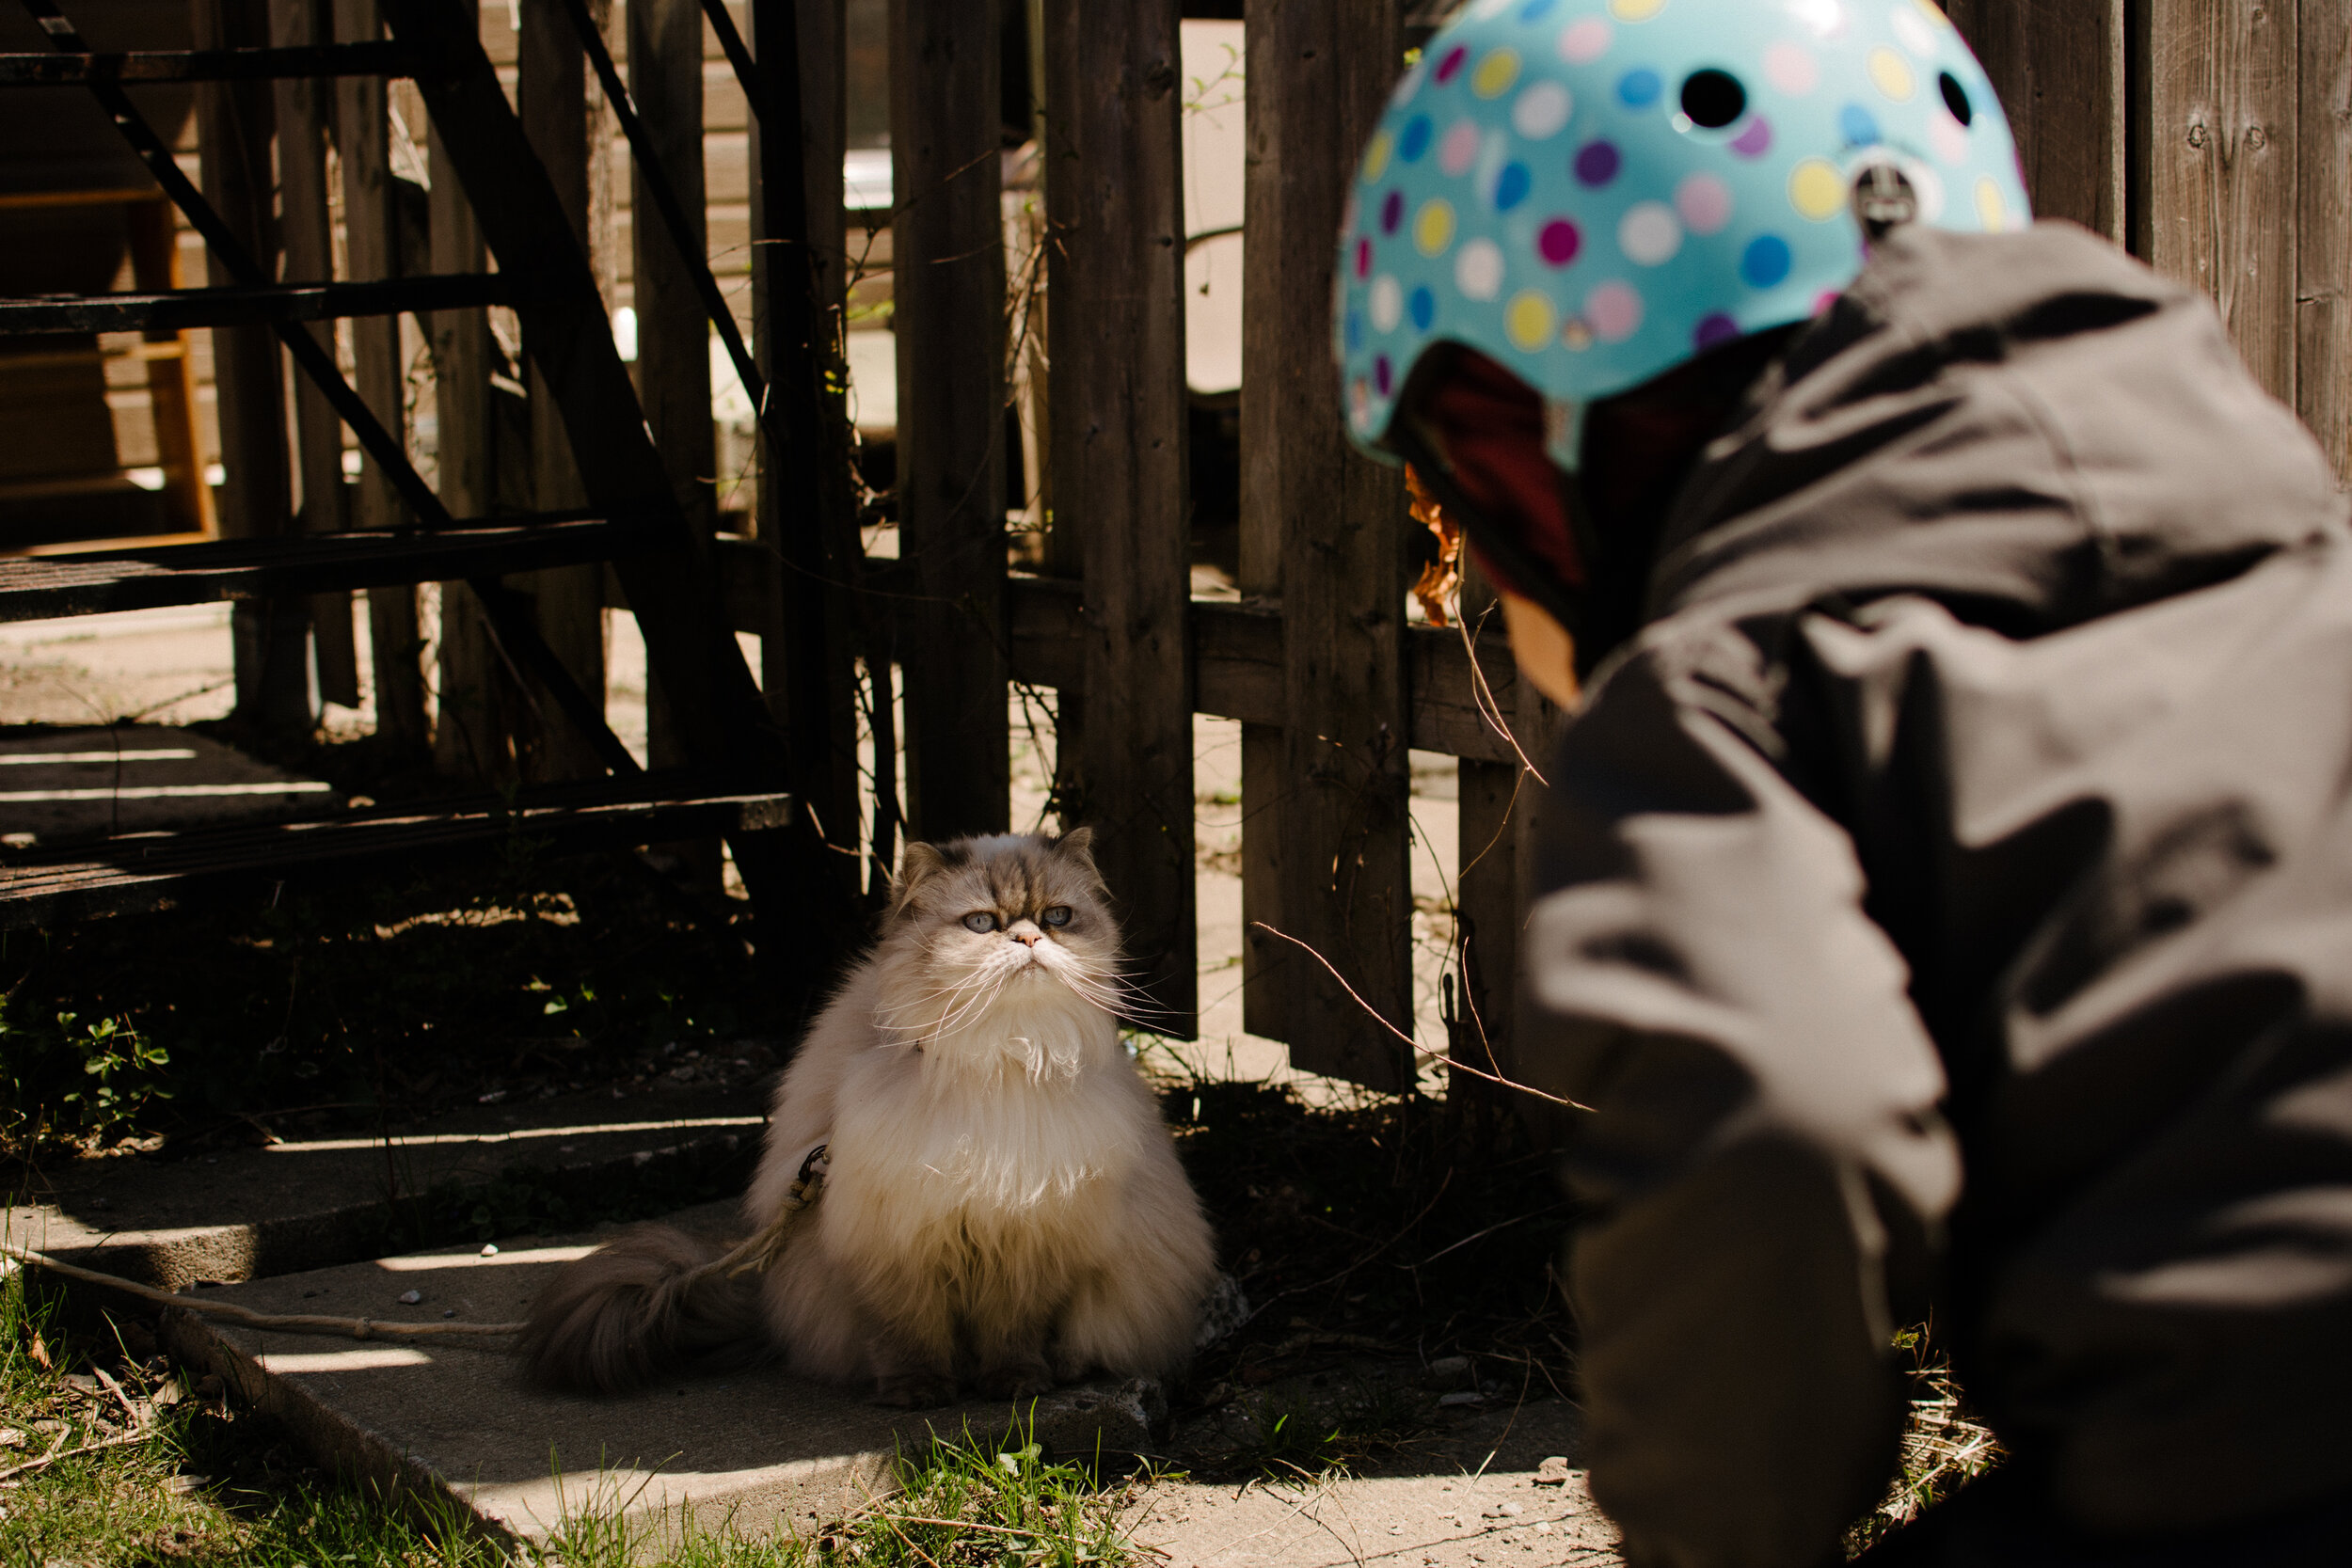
{"points": [[665, 78], [155, 870], [2221, 140], [371, 244], [306, 230], [947, 240], [170, 309], [2059, 67], [233, 133], [1118, 400], [1317, 75], [2322, 312], [553, 95], [1234, 652], [94, 583]]}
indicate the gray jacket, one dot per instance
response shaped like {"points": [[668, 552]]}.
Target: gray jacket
{"points": [[1945, 907]]}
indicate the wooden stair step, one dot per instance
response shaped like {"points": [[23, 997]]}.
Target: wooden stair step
{"points": [[373, 58], [40, 588], [180, 310], [151, 870]]}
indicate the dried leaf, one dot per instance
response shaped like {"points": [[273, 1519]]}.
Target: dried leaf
{"points": [[1441, 579], [40, 1353]]}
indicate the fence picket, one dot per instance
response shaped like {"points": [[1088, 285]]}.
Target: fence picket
{"points": [[2219, 144], [1118, 404], [2059, 71], [2323, 230], [1329, 528], [554, 100], [949, 282]]}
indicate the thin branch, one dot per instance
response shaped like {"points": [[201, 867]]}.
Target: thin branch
{"points": [[1453, 1063]]}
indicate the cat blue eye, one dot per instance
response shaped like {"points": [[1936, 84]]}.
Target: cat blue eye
{"points": [[1057, 916], [981, 922]]}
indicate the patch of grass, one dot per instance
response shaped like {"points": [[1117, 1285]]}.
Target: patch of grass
{"points": [[968, 1503], [183, 1479], [148, 1473], [1944, 1446]]}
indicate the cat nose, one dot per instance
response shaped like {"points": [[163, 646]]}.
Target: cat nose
{"points": [[1024, 932]]}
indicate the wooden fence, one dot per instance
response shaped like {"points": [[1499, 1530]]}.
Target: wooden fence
{"points": [[2213, 137]]}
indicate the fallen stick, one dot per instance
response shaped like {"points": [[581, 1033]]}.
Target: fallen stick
{"points": [[229, 1311], [54, 1455]]}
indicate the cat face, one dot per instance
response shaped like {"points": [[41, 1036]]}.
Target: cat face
{"points": [[985, 920]]}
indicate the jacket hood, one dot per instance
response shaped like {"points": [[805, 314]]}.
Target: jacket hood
{"points": [[2030, 429]]}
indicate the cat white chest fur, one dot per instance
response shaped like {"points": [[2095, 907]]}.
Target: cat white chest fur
{"points": [[1017, 1118]]}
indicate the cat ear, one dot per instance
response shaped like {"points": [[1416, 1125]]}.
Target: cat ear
{"points": [[1078, 842], [918, 864]]}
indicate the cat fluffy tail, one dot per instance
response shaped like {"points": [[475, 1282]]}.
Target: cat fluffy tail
{"points": [[610, 1321]]}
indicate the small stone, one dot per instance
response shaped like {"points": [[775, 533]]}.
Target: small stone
{"points": [[1552, 1472], [489, 1249], [1449, 1366], [449, 1312], [410, 1298], [1513, 1509], [1543, 1527], [1461, 1396]]}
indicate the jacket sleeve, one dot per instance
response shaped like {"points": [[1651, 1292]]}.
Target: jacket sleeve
{"points": [[1763, 1161]]}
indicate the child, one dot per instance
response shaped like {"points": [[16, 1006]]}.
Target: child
{"points": [[1945, 907]]}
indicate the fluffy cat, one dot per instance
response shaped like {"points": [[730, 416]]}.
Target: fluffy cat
{"points": [[1004, 1208]]}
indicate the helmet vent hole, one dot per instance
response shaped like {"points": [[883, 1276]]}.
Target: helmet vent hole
{"points": [[1714, 98], [1956, 98]]}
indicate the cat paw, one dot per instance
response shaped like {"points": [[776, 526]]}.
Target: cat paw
{"points": [[916, 1390], [1017, 1380]]}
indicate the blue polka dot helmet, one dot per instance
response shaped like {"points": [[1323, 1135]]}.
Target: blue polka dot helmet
{"points": [[1591, 192]]}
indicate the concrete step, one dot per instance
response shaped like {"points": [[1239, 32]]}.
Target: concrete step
{"points": [[454, 1417], [308, 1203]]}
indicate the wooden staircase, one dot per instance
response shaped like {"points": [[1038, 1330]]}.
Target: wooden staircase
{"points": [[741, 774]]}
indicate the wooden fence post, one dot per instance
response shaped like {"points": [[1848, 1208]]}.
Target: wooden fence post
{"points": [[568, 602], [2060, 70], [469, 734], [306, 229], [1113, 191], [371, 243], [949, 283], [2323, 228], [665, 78], [234, 131], [1329, 526], [809, 653]]}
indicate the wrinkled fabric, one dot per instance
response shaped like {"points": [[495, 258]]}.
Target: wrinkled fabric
{"points": [[1945, 906]]}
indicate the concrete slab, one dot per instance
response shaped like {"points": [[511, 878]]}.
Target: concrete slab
{"points": [[769, 1448], [307, 1203], [1502, 1516]]}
